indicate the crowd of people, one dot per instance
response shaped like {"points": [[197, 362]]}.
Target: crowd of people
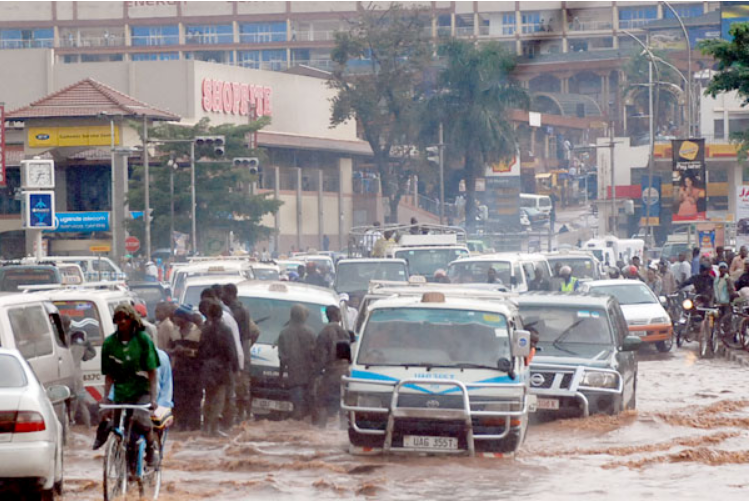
{"points": [[198, 364]]}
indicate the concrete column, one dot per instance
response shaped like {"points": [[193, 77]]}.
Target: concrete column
{"points": [[476, 24], [181, 34], [320, 206], [452, 23], [119, 209], [275, 237], [345, 187], [299, 208]]}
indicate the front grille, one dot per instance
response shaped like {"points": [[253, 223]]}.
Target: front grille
{"points": [[548, 380], [638, 322], [431, 401]]}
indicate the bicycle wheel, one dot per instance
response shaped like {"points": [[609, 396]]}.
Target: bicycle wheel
{"points": [[115, 479], [151, 479], [732, 332], [703, 339]]}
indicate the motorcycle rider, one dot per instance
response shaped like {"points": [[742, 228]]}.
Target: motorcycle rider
{"points": [[723, 288], [568, 282], [702, 282], [743, 280]]}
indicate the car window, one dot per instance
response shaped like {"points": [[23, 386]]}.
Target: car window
{"points": [[31, 331], [568, 325], [12, 278], [273, 315], [11, 373], [529, 270], [631, 293], [618, 323], [470, 272], [83, 316]]}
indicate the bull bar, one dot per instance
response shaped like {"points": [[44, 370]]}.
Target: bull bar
{"points": [[574, 386], [465, 414]]}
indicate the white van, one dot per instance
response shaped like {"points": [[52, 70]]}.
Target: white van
{"points": [[619, 250], [240, 268], [540, 202], [422, 364], [269, 305], [515, 269], [95, 268]]}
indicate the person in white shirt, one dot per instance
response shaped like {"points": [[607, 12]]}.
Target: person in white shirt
{"points": [[681, 269]]}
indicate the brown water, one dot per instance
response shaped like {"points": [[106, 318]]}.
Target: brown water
{"points": [[688, 439]]}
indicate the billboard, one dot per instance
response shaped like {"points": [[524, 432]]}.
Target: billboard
{"points": [[733, 12], [688, 176]]}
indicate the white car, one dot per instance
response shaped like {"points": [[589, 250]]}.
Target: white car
{"points": [[31, 436], [645, 315]]}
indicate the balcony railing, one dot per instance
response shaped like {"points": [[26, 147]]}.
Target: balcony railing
{"points": [[313, 36], [154, 40], [93, 41], [26, 44], [322, 64], [443, 31], [464, 31], [631, 24], [590, 25], [271, 37]]}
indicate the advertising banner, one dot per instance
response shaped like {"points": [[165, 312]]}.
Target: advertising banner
{"points": [[742, 202], [651, 202], [688, 178], [2, 145], [707, 241], [733, 12], [82, 221], [92, 135]]}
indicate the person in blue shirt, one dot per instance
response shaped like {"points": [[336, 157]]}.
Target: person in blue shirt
{"points": [[695, 261]]}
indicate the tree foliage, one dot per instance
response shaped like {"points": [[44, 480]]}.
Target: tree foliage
{"points": [[378, 69], [223, 199], [733, 72], [475, 95]]}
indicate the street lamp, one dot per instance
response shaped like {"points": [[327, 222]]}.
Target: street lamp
{"points": [[690, 101], [172, 165]]}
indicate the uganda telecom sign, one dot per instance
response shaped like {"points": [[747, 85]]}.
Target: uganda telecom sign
{"points": [[235, 98]]}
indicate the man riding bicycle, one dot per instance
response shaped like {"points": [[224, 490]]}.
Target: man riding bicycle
{"points": [[130, 362]]}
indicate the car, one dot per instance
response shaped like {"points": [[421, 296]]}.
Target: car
{"points": [[151, 293], [583, 264], [354, 275], [269, 304], [477, 247], [31, 435], [14, 277], [424, 365], [265, 271], [95, 268], [673, 249], [195, 285], [209, 267], [584, 361], [534, 216], [524, 220], [32, 325], [514, 269], [643, 310]]}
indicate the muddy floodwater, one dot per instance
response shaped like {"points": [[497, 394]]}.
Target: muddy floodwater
{"points": [[688, 439]]}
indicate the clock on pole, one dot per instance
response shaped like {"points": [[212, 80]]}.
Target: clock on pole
{"points": [[38, 174]]}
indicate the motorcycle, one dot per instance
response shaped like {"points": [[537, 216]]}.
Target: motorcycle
{"points": [[687, 326]]}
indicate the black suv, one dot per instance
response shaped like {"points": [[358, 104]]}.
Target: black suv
{"points": [[584, 361]]}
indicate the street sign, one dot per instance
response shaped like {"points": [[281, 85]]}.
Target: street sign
{"points": [[39, 210], [86, 222], [100, 248], [132, 244]]}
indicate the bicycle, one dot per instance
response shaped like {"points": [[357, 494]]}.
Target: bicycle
{"points": [[123, 464], [733, 327]]}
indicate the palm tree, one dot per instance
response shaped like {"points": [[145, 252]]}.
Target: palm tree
{"points": [[475, 95]]}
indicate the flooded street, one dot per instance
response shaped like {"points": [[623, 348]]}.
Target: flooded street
{"points": [[688, 440]]}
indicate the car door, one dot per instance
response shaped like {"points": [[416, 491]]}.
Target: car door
{"points": [[33, 338], [626, 361]]}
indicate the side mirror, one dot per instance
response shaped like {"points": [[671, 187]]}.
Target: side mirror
{"points": [[631, 343], [663, 300], [58, 393], [343, 351], [78, 337], [521, 343], [504, 365]]}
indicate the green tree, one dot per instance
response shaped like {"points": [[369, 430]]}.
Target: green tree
{"points": [[378, 71], [733, 72], [475, 95], [223, 199]]}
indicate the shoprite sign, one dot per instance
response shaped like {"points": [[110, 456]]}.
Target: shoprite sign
{"points": [[235, 98]]}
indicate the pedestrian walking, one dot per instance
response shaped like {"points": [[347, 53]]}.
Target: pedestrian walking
{"points": [[296, 358], [165, 325], [183, 350], [219, 362], [81, 351], [330, 369]]}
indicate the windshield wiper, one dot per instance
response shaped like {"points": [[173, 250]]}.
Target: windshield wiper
{"points": [[262, 319], [471, 365], [558, 341]]}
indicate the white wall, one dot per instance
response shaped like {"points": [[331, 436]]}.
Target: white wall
{"points": [[720, 107], [627, 157]]}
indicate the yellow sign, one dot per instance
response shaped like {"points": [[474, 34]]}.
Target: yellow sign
{"points": [[100, 248], [689, 150], [87, 135]]}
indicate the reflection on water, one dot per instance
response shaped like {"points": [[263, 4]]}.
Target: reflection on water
{"points": [[687, 440]]}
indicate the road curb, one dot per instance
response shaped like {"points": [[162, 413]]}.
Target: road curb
{"points": [[737, 356]]}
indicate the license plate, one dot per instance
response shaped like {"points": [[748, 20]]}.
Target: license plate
{"points": [[431, 443], [262, 404], [551, 404]]}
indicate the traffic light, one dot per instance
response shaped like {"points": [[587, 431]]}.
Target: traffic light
{"points": [[432, 154], [250, 163], [216, 143]]}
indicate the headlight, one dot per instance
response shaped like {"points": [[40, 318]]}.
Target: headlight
{"points": [[660, 320], [599, 379], [687, 304]]}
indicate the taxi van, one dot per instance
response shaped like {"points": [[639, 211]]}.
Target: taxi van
{"points": [[269, 305], [514, 269], [215, 267], [434, 373]]}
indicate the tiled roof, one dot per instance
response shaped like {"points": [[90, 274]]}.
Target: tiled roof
{"points": [[89, 98]]}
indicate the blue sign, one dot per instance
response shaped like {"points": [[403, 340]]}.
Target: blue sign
{"points": [[41, 210], [82, 221], [651, 202]]}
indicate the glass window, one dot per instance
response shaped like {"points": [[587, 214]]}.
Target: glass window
{"points": [[738, 125], [476, 272], [582, 267], [354, 277], [273, 315], [249, 59], [31, 331], [637, 293], [154, 35], [634, 17], [208, 34], [11, 278], [263, 32], [686, 10], [718, 128], [25, 39], [83, 316], [11, 373], [426, 261], [508, 23], [532, 22], [566, 326], [155, 56], [8, 202]]}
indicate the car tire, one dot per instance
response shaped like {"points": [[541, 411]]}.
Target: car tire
{"points": [[632, 404], [666, 345]]}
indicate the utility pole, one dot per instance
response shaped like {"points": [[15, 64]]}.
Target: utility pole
{"points": [[147, 216], [651, 112], [611, 145], [441, 173], [193, 198]]}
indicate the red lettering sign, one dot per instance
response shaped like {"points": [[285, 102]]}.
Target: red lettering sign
{"points": [[235, 98]]}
